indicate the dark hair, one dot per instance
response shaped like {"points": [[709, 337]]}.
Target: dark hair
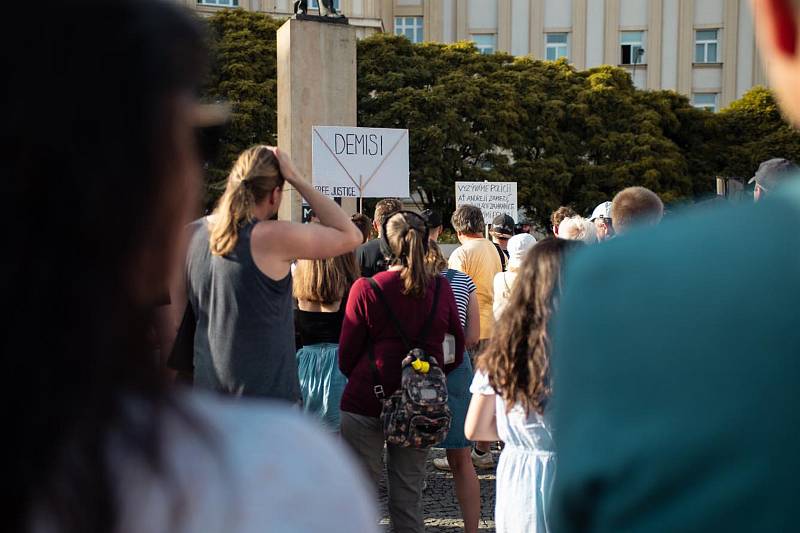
{"points": [[517, 359], [363, 223], [468, 219], [88, 128]]}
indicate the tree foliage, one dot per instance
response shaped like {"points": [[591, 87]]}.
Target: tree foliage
{"points": [[567, 137], [243, 73]]}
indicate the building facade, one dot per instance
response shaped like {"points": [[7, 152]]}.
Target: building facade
{"points": [[704, 49]]}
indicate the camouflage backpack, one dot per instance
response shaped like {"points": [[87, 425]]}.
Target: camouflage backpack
{"points": [[417, 414]]}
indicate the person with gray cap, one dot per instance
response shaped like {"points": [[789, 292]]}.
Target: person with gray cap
{"points": [[601, 218], [770, 174]]}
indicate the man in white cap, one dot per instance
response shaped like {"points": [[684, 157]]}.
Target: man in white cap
{"points": [[601, 218]]}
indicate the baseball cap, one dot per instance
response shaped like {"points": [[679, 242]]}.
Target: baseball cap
{"points": [[503, 225], [518, 247], [772, 172], [601, 211]]}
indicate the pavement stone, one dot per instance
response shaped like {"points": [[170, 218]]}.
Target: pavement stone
{"points": [[442, 513]]}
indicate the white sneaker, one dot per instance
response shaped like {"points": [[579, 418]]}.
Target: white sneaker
{"points": [[482, 461], [441, 464]]}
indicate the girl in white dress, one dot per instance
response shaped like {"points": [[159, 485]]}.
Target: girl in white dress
{"points": [[511, 389]]}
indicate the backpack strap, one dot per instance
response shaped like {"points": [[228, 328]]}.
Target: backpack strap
{"points": [[502, 255], [450, 274], [376, 377]]}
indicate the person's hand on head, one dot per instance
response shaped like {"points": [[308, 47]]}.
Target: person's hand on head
{"points": [[288, 170]]}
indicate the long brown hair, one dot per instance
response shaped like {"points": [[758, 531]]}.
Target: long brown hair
{"points": [[436, 258], [325, 280], [253, 177], [407, 236], [517, 358]]}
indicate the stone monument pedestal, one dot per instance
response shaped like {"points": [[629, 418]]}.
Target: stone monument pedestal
{"points": [[316, 87]]}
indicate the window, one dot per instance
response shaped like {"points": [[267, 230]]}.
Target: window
{"points": [[706, 43], [556, 46], [707, 101], [314, 4], [485, 42], [223, 3], [632, 51], [411, 27]]}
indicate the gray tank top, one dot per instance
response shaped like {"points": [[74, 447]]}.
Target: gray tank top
{"points": [[244, 341]]}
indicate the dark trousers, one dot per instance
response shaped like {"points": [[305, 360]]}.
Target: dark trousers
{"points": [[405, 468]]}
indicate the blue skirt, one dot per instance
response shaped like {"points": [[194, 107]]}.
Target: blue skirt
{"points": [[458, 397], [321, 382]]}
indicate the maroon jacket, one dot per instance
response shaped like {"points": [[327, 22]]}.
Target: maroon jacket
{"points": [[366, 320]]}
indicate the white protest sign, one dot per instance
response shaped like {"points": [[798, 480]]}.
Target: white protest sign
{"points": [[492, 197], [353, 162]]}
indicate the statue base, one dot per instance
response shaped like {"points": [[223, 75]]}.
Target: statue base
{"points": [[317, 18], [316, 87]]}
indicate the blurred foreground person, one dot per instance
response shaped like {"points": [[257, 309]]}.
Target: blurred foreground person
{"points": [[636, 206], [511, 389], [770, 174], [676, 408], [102, 443]]}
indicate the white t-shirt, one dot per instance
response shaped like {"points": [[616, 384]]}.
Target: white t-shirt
{"points": [[503, 283], [266, 468]]}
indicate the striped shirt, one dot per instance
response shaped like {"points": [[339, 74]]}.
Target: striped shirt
{"points": [[462, 287]]}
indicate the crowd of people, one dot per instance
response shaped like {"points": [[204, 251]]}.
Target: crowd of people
{"points": [[637, 375]]}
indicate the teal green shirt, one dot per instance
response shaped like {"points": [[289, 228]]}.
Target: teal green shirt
{"points": [[676, 358]]}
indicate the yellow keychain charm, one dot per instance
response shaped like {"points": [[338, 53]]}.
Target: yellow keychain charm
{"points": [[421, 366]]}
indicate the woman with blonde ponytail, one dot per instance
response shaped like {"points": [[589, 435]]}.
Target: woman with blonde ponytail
{"points": [[239, 280], [409, 289]]}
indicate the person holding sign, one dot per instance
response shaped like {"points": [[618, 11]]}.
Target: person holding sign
{"points": [[239, 281]]}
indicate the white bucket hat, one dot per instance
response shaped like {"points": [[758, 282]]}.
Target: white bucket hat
{"points": [[518, 247]]}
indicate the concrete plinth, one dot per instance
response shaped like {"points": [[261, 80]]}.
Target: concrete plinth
{"points": [[316, 87]]}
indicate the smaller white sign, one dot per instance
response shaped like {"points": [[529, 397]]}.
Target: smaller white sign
{"points": [[492, 197], [367, 162]]}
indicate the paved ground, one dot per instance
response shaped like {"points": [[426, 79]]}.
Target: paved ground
{"points": [[442, 514]]}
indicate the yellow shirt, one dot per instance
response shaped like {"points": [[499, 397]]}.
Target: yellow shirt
{"points": [[478, 258]]}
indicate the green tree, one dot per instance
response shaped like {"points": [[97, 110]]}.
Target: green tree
{"points": [[564, 136], [243, 73], [752, 130]]}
